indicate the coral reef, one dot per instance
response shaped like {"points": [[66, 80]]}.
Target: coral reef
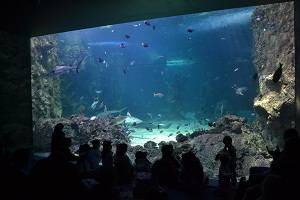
{"points": [[273, 29], [45, 89], [80, 129]]}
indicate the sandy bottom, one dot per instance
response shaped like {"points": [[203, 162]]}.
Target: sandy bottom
{"points": [[141, 135]]}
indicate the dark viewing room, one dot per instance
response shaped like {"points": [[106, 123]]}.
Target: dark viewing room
{"points": [[150, 100]]}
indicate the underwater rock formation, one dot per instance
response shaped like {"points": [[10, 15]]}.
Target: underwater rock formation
{"points": [[181, 138], [249, 143], [273, 29], [45, 89], [230, 123], [80, 129]]}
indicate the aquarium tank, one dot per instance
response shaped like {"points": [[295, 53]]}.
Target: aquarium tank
{"points": [[189, 80]]}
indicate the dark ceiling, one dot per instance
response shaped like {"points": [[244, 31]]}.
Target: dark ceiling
{"points": [[39, 17]]}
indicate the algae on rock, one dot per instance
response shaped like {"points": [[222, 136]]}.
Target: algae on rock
{"points": [[273, 29], [45, 89]]}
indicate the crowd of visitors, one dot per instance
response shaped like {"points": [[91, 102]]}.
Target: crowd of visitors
{"points": [[96, 171]]}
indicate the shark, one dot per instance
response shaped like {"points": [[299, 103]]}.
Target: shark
{"points": [[128, 120], [107, 112], [63, 69]]}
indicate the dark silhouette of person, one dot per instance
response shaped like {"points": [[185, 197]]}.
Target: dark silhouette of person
{"points": [[83, 166], [107, 177], [165, 171], [13, 174], [288, 164], [142, 167], [227, 157], [55, 177], [107, 155], [192, 175], [67, 151], [58, 139], [94, 155], [123, 166]]}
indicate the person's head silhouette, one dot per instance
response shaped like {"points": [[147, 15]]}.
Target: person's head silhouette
{"points": [[227, 140], [167, 150]]}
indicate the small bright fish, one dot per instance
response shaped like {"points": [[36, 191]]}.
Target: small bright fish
{"points": [[94, 104], [189, 38], [98, 91], [159, 115], [236, 69], [93, 118], [145, 45], [132, 63], [158, 94]]}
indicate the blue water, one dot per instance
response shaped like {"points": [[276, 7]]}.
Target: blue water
{"points": [[195, 61]]}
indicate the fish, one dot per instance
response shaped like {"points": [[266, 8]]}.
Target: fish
{"points": [[179, 62], [122, 45], [145, 45], [93, 118], [132, 63], [190, 30], [124, 70], [189, 38], [63, 69], [158, 94], [165, 126], [150, 115], [146, 22], [170, 134], [211, 124], [108, 44], [100, 60], [186, 124], [128, 120], [236, 69], [178, 127], [159, 115], [153, 27], [277, 74], [240, 90], [94, 104], [98, 91], [127, 36], [107, 112], [161, 131], [101, 105], [149, 129], [255, 76]]}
